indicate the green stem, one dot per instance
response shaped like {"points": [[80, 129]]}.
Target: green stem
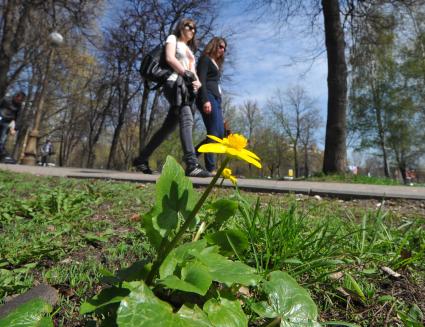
{"points": [[162, 253]]}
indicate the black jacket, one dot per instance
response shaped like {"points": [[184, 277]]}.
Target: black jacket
{"points": [[209, 76], [9, 110]]}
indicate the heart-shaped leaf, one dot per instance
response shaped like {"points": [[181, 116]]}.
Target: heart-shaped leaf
{"points": [[142, 309], [29, 314], [288, 301], [225, 313], [175, 198], [174, 191]]}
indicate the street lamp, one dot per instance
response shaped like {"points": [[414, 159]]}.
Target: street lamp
{"points": [[30, 154]]}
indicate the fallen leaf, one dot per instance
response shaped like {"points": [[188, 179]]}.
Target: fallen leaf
{"points": [[135, 217], [337, 275], [390, 272]]}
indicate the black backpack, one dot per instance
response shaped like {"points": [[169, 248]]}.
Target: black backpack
{"points": [[154, 68]]}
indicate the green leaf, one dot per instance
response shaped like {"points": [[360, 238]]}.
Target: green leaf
{"points": [[219, 267], [142, 309], [95, 238], [294, 261], [105, 297], [351, 284], [174, 192], [148, 221], [386, 298], [45, 322], [225, 313], [288, 301], [226, 271], [194, 315], [228, 239], [179, 255], [194, 278], [224, 209], [413, 318], [175, 198], [29, 314]]}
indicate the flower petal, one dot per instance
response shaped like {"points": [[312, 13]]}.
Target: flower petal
{"points": [[213, 147], [215, 138], [251, 154], [233, 151], [249, 159]]}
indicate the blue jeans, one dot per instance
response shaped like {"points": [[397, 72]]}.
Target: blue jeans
{"points": [[214, 124]]}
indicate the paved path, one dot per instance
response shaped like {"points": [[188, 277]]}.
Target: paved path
{"points": [[342, 190]]}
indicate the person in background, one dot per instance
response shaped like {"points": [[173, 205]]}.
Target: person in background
{"points": [[209, 70], [180, 91], [46, 152], [9, 111]]}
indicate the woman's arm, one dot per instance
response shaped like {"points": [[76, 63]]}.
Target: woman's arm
{"points": [[202, 73], [170, 58]]}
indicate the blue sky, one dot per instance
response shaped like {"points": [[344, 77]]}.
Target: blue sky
{"points": [[267, 56]]}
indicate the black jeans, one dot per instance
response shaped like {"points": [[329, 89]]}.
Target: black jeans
{"points": [[182, 115]]}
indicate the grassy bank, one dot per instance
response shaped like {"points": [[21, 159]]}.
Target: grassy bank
{"points": [[65, 232]]}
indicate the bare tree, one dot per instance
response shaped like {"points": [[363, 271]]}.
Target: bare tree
{"points": [[293, 112], [251, 115], [310, 122]]}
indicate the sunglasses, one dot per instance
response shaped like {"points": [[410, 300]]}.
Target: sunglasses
{"points": [[222, 47], [190, 27]]}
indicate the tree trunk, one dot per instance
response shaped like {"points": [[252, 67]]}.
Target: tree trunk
{"points": [[143, 117], [15, 23], [306, 170], [114, 143], [335, 156], [296, 165]]}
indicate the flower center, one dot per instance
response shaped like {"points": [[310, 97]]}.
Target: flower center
{"points": [[237, 141]]}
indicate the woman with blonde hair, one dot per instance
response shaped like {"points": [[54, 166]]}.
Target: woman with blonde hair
{"points": [[209, 70], [180, 91]]}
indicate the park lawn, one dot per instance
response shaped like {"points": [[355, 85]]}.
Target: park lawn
{"points": [[357, 179], [65, 232]]}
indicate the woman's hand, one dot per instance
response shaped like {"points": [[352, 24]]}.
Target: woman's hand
{"points": [[207, 107], [196, 85]]}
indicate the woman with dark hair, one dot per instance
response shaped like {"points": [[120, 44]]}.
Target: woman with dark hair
{"points": [[209, 70], [180, 91]]}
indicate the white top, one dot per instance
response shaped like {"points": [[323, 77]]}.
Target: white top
{"points": [[183, 54]]}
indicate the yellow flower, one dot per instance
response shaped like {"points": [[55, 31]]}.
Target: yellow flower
{"points": [[233, 145], [227, 173]]}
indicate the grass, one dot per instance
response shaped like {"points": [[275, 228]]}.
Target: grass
{"points": [[356, 179], [66, 232], [339, 256]]}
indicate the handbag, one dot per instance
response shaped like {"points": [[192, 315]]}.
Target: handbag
{"points": [[154, 67]]}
